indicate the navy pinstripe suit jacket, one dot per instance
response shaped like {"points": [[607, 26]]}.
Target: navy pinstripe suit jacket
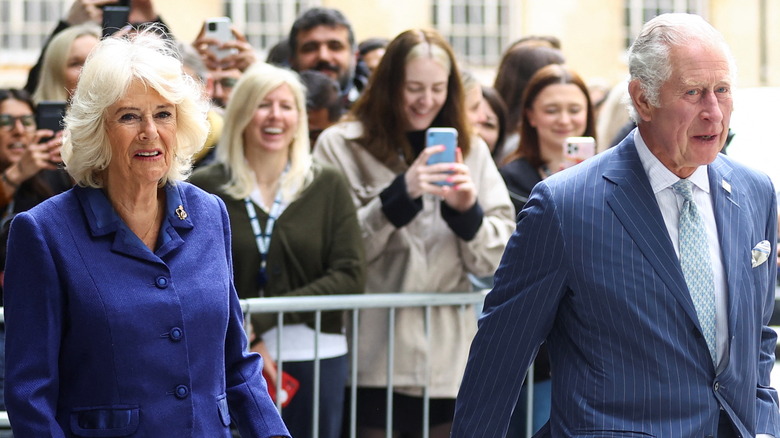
{"points": [[591, 269]]}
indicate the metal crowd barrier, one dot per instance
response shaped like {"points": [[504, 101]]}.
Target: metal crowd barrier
{"points": [[355, 303]]}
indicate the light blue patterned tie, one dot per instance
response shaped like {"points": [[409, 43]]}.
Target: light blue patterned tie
{"points": [[696, 264]]}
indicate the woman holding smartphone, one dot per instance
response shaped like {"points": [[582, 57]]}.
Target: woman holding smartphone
{"points": [[556, 105], [419, 236]]}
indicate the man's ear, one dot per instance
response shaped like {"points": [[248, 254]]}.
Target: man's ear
{"points": [[639, 99]]}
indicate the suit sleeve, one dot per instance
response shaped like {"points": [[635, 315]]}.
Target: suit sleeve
{"points": [[767, 416], [345, 272], [250, 405], [34, 309], [519, 313]]}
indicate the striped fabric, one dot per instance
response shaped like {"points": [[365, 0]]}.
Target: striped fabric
{"points": [[591, 269]]}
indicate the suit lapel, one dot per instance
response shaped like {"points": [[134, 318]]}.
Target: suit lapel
{"points": [[732, 223], [634, 203]]}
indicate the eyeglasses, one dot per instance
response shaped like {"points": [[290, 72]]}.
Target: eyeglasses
{"points": [[7, 121], [228, 82]]}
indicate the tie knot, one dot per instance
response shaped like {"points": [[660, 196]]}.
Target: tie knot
{"points": [[684, 188]]}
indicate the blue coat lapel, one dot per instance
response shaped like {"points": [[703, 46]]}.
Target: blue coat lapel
{"points": [[103, 220], [732, 225], [633, 202]]}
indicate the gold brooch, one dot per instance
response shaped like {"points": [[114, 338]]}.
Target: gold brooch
{"points": [[181, 213]]}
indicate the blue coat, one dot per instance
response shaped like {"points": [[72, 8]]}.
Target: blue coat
{"points": [[106, 338], [591, 268]]}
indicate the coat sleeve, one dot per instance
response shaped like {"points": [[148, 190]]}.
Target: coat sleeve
{"points": [[345, 264], [767, 415], [518, 315], [334, 148], [250, 405], [34, 309], [482, 253]]}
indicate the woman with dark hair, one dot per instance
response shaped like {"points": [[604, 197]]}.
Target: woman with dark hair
{"points": [[424, 227], [494, 125], [29, 171], [556, 105], [517, 66]]}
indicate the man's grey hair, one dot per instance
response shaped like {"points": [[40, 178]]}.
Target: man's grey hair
{"points": [[648, 58]]}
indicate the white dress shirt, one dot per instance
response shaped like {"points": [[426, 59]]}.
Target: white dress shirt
{"points": [[670, 203]]}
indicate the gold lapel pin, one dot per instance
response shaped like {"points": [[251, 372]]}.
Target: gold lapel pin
{"points": [[181, 213]]}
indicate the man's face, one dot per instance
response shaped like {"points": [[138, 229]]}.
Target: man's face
{"points": [[325, 49], [220, 85], [691, 124]]}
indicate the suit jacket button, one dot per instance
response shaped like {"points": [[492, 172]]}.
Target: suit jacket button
{"points": [[716, 386], [161, 282], [182, 391], [176, 334]]}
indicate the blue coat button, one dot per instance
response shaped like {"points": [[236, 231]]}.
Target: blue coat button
{"points": [[161, 282], [182, 391], [176, 334]]}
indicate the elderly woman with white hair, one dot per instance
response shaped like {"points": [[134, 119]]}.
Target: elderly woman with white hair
{"points": [[121, 315], [295, 233]]}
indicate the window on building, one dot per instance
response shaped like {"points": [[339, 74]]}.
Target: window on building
{"points": [[476, 29], [638, 12], [266, 22], [24, 27]]}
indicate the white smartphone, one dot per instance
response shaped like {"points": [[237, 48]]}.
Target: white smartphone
{"points": [[578, 149], [442, 136], [218, 28]]}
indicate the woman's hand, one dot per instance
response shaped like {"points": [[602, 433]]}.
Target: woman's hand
{"points": [[38, 156], [243, 56], [82, 11], [421, 178]]}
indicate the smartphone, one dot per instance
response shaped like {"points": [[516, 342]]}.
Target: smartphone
{"points": [[118, 3], [442, 136], [218, 28], [578, 149], [49, 115], [114, 18]]}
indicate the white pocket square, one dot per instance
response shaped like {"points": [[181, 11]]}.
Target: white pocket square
{"points": [[761, 252]]}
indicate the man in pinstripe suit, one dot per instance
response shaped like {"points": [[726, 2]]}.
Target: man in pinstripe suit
{"points": [[594, 269]]}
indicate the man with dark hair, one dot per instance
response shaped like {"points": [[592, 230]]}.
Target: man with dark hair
{"points": [[324, 105], [322, 39]]}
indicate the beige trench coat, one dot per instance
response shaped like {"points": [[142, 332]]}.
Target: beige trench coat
{"points": [[423, 256]]}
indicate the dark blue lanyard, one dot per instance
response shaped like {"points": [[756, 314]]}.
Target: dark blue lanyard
{"points": [[263, 238]]}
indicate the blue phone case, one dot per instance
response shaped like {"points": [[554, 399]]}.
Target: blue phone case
{"points": [[447, 137]]}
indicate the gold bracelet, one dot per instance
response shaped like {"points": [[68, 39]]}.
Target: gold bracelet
{"points": [[8, 181]]}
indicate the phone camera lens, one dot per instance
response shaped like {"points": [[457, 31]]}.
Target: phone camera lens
{"points": [[212, 27]]}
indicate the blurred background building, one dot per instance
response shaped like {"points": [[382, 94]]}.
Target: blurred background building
{"points": [[594, 33]]}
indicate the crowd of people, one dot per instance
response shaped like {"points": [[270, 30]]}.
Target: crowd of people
{"points": [[184, 180]]}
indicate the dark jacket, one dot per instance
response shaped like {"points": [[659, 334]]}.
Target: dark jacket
{"points": [[316, 246]]}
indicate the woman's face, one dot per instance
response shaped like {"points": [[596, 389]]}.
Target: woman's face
{"points": [[559, 111], [142, 132], [275, 121], [16, 136], [489, 127], [424, 92], [77, 55]]}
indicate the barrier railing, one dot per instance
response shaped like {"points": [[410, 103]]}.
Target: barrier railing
{"points": [[353, 304]]}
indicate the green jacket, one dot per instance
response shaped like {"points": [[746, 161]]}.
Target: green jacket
{"points": [[316, 246]]}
